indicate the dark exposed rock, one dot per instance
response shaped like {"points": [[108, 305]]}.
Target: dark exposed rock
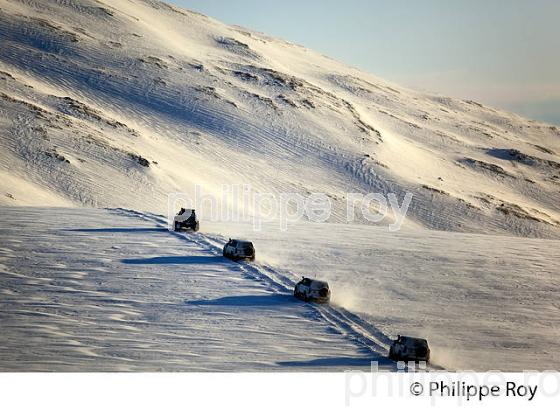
{"points": [[520, 157], [308, 103], [496, 169], [286, 100], [56, 155], [515, 210], [245, 76], [139, 159], [433, 189]]}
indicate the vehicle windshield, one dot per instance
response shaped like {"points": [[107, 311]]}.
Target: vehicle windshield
{"points": [[415, 342], [320, 285]]}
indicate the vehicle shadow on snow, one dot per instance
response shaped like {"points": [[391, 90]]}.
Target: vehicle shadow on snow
{"points": [[117, 230], [177, 260], [341, 362], [266, 300]]}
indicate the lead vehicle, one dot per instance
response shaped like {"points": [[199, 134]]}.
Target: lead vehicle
{"points": [[312, 290], [408, 348], [186, 218], [237, 249]]}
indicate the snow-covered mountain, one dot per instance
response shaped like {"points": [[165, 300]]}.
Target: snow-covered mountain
{"points": [[119, 103]]}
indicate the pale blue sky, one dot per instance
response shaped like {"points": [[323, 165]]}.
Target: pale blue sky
{"points": [[502, 53]]}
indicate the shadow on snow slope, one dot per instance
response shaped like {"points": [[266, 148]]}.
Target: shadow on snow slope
{"points": [[176, 260], [246, 300], [339, 361], [116, 230]]}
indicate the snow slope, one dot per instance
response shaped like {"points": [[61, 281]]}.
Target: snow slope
{"points": [[119, 103], [112, 290]]}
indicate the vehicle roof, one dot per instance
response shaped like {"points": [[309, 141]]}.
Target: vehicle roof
{"points": [[413, 339], [242, 241], [317, 281]]}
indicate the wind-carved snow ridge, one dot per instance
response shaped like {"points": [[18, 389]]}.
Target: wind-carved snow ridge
{"points": [[120, 104]]}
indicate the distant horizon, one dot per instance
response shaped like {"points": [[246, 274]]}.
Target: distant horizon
{"points": [[500, 54]]}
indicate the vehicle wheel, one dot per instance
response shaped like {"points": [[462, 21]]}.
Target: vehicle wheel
{"points": [[391, 353], [177, 227], [196, 227], [306, 297], [224, 253]]}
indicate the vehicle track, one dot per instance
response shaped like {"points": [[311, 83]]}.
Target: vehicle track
{"points": [[350, 324]]}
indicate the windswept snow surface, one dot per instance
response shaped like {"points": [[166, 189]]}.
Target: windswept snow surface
{"points": [[483, 302], [99, 290], [120, 103], [86, 289]]}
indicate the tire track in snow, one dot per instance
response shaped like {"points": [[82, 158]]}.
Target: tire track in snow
{"points": [[358, 330]]}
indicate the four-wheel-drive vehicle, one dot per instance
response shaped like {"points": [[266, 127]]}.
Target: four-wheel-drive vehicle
{"points": [[237, 249], [408, 348], [312, 290], [185, 219]]}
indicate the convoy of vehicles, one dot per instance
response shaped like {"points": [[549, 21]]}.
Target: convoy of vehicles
{"points": [[404, 348]]}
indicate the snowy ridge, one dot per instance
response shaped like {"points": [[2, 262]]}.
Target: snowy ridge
{"points": [[118, 104]]}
